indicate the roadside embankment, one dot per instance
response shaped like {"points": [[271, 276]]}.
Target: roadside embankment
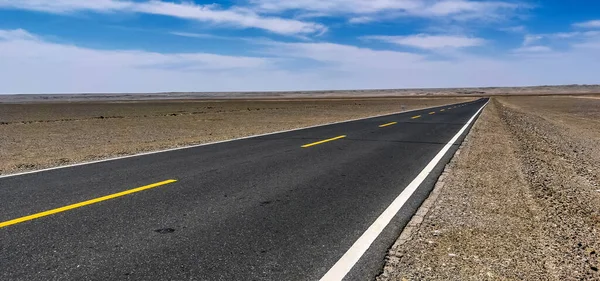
{"points": [[520, 201]]}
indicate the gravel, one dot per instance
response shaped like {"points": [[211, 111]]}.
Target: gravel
{"points": [[518, 203]]}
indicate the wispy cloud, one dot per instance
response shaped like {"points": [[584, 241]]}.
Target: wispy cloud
{"points": [[216, 37], [592, 45], [346, 66], [20, 42], [361, 19], [235, 16], [66, 6], [470, 9], [431, 42], [337, 6], [269, 15], [194, 35], [533, 49], [17, 34], [514, 29], [531, 39], [573, 36], [70, 68], [66, 68], [343, 56], [456, 9], [588, 24]]}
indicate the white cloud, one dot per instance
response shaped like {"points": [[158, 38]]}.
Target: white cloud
{"points": [[533, 49], [592, 42], [194, 35], [344, 57], [33, 65], [573, 37], [20, 43], [431, 42], [337, 6], [560, 45], [595, 45], [362, 19], [347, 67], [237, 17], [66, 6], [588, 24], [531, 39], [456, 9], [475, 8], [240, 17], [266, 14], [514, 29], [17, 34]]}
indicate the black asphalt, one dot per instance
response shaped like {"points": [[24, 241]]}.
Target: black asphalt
{"points": [[254, 209]]}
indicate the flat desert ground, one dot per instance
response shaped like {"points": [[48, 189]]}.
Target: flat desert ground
{"points": [[36, 135], [519, 201]]}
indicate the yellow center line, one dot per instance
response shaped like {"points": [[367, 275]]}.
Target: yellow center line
{"points": [[442, 110], [81, 204], [433, 112], [388, 124], [323, 141], [415, 117]]}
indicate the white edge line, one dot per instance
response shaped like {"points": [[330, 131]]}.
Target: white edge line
{"points": [[351, 257], [217, 142]]}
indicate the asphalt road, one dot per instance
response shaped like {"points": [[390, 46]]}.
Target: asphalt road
{"points": [[277, 207]]}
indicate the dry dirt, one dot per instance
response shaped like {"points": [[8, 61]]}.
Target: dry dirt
{"points": [[521, 200], [39, 135]]}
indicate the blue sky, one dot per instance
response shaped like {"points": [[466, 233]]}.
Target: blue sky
{"points": [[73, 46]]}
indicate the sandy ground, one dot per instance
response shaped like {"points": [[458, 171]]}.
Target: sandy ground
{"points": [[39, 135], [521, 200]]}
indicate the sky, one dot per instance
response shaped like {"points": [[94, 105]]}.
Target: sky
{"points": [[111, 46]]}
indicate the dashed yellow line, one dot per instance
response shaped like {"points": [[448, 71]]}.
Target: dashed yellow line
{"points": [[82, 204], [388, 124], [431, 113], [415, 117], [323, 141], [442, 110]]}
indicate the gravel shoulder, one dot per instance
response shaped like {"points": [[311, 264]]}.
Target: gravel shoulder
{"points": [[520, 201], [42, 135]]}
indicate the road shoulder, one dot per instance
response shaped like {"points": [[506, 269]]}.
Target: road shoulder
{"points": [[481, 222]]}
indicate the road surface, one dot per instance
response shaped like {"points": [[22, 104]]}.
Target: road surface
{"points": [[295, 205]]}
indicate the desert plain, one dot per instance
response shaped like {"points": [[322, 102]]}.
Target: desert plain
{"points": [[37, 135], [519, 201]]}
